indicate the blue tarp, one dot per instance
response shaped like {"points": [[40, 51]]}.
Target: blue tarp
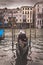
{"points": [[1, 32]]}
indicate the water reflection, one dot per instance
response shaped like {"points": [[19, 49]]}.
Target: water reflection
{"points": [[21, 62], [36, 48]]}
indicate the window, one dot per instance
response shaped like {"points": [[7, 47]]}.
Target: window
{"points": [[16, 19], [31, 13], [38, 9], [31, 8], [20, 19], [39, 15], [24, 20], [24, 16], [38, 22], [23, 12], [23, 8], [28, 12], [28, 8], [28, 16], [38, 5], [28, 20]]}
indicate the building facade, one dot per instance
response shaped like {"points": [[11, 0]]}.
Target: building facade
{"points": [[20, 15], [27, 12], [39, 14], [24, 15]]}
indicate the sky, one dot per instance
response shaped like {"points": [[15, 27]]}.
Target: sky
{"points": [[17, 3]]}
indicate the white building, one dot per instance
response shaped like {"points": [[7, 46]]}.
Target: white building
{"points": [[27, 12], [20, 15], [17, 15], [39, 14]]}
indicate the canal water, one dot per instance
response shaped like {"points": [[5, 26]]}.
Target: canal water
{"points": [[36, 42], [37, 46]]}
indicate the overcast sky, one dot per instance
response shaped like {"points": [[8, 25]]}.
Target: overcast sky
{"points": [[17, 3]]}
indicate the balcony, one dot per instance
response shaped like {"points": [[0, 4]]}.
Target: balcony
{"points": [[40, 15]]}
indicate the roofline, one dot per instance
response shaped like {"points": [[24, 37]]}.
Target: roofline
{"points": [[41, 2], [26, 6]]}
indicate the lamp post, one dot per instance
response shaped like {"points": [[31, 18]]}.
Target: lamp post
{"points": [[12, 33], [35, 25], [30, 33], [34, 18], [35, 29]]}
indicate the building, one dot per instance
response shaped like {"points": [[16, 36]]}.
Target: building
{"points": [[39, 14], [21, 16], [27, 12]]}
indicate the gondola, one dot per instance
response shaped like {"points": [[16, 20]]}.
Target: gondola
{"points": [[22, 46]]}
